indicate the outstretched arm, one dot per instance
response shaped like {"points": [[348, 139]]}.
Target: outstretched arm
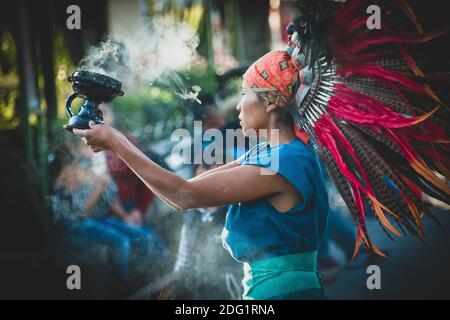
{"points": [[232, 184]]}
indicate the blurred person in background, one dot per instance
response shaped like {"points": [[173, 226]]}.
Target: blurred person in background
{"points": [[88, 208], [80, 199], [134, 196]]}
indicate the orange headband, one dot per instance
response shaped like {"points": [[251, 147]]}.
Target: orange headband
{"points": [[272, 77]]}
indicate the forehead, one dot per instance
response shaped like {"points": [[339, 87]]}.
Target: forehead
{"points": [[247, 89]]}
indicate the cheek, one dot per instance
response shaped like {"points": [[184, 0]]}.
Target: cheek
{"points": [[257, 116]]}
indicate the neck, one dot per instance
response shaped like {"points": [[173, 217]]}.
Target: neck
{"points": [[279, 133]]}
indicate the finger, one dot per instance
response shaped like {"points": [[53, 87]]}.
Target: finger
{"points": [[92, 124], [79, 132]]}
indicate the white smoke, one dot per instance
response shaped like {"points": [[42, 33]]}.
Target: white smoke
{"points": [[153, 53]]}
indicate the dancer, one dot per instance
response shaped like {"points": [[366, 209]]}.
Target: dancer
{"points": [[338, 81]]}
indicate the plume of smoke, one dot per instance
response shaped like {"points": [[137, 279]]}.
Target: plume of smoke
{"points": [[151, 53]]}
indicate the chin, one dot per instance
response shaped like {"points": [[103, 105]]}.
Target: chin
{"points": [[249, 132]]}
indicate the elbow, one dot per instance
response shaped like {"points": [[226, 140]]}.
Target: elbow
{"points": [[178, 209], [182, 206], [185, 204]]}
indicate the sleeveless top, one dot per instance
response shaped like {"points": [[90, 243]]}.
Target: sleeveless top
{"points": [[257, 234]]}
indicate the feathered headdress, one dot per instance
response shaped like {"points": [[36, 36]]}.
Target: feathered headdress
{"points": [[371, 111]]}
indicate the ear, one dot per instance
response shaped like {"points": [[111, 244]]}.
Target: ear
{"points": [[270, 107]]}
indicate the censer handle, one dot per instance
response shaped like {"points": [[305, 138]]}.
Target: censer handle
{"points": [[69, 100]]}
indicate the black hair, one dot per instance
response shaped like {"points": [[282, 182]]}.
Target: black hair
{"points": [[285, 114]]}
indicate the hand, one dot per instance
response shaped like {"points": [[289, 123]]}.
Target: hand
{"points": [[101, 137], [134, 218]]}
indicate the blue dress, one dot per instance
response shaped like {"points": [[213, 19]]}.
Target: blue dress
{"points": [[280, 248]]}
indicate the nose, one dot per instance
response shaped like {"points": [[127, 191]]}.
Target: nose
{"points": [[238, 107]]}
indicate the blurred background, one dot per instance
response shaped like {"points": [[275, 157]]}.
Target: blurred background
{"points": [[62, 205]]}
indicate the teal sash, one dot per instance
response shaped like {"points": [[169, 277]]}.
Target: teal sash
{"points": [[280, 275]]}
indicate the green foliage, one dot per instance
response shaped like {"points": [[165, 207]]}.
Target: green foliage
{"points": [[63, 67], [149, 113], [152, 113], [204, 78], [9, 82]]}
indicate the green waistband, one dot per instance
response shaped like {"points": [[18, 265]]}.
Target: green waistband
{"points": [[280, 275]]}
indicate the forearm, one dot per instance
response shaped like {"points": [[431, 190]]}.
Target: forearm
{"points": [[118, 210], [227, 166], [93, 198], [165, 184]]}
